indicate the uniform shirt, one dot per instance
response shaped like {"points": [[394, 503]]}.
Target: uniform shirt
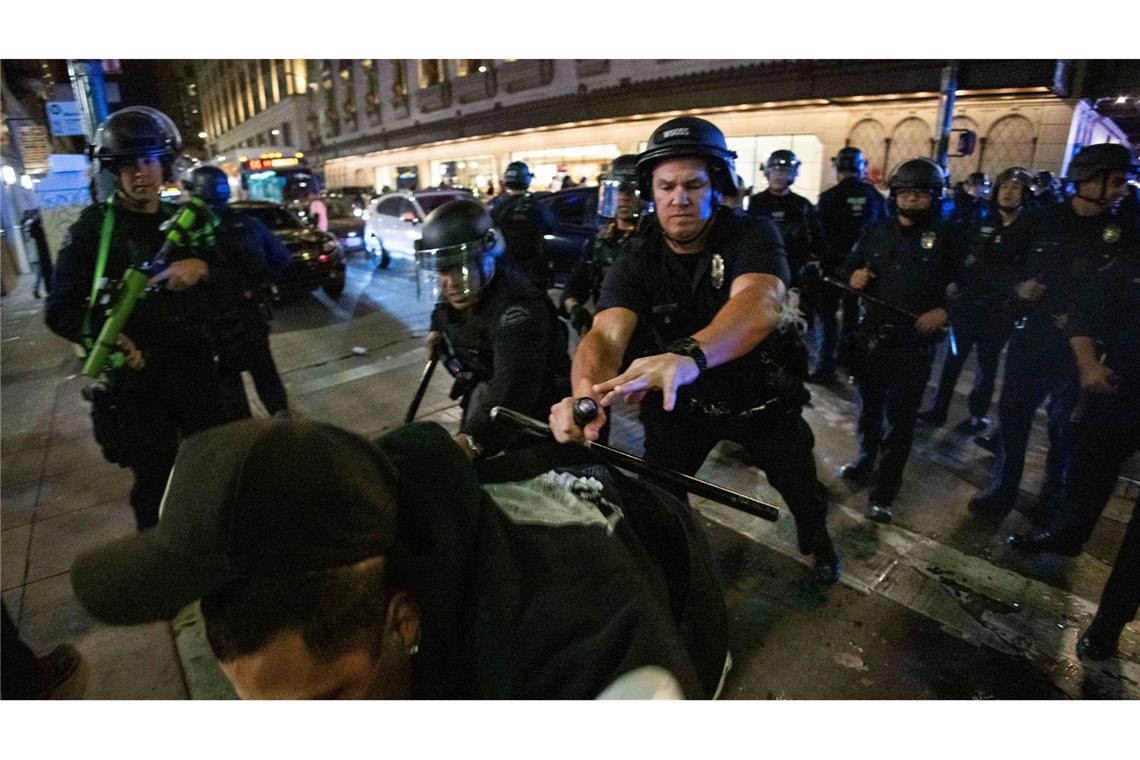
{"points": [[798, 223], [993, 256], [1066, 249], [912, 267], [585, 279], [1107, 309], [512, 341], [162, 320], [552, 587], [678, 295], [844, 212], [522, 220], [257, 257]]}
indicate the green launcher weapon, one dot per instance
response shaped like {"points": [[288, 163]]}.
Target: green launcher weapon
{"points": [[193, 226]]}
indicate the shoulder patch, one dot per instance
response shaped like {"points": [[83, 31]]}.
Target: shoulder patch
{"points": [[515, 315]]}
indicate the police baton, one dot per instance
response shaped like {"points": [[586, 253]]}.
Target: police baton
{"points": [[948, 329], [425, 378], [627, 461]]}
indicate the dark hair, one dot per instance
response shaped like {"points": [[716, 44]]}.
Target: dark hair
{"points": [[334, 610]]}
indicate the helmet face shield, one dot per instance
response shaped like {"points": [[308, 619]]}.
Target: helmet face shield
{"points": [[610, 200], [454, 274]]}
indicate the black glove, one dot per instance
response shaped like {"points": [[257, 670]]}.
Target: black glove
{"points": [[580, 318]]}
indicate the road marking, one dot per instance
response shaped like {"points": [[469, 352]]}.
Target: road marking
{"points": [[414, 356]]}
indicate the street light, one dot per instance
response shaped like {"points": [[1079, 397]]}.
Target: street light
{"points": [[25, 182], [275, 132], [203, 135], [9, 175]]}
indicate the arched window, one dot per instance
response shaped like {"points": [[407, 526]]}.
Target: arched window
{"points": [[911, 139], [1010, 142], [869, 136]]}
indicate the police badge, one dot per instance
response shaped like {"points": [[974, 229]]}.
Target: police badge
{"points": [[717, 271], [1111, 233], [927, 240]]}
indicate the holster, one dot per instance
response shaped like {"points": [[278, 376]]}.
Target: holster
{"points": [[111, 422]]}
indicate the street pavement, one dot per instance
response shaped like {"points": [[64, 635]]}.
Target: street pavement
{"points": [[932, 606]]}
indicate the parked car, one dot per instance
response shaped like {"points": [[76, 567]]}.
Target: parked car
{"points": [[346, 220], [392, 222], [318, 261], [573, 216]]}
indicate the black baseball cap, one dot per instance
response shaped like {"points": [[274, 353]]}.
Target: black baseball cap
{"points": [[256, 497]]}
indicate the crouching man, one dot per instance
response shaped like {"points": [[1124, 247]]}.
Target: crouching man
{"points": [[332, 567]]}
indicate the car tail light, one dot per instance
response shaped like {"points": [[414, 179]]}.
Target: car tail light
{"points": [[323, 258]]}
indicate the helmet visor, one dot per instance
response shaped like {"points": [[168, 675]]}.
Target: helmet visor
{"points": [[449, 273]]}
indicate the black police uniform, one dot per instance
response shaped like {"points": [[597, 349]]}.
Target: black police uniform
{"points": [[803, 242], [844, 212], [508, 349], [1066, 249], [522, 219], [981, 313], [585, 280], [754, 400], [242, 321], [177, 392], [912, 267], [1108, 428]]}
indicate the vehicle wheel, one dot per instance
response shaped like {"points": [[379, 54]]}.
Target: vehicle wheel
{"points": [[385, 258], [372, 246]]}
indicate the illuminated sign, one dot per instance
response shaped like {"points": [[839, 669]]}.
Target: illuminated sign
{"points": [[257, 164]]}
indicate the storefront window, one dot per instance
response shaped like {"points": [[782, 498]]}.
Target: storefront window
{"points": [[554, 168], [399, 83], [431, 72], [474, 173], [467, 66]]}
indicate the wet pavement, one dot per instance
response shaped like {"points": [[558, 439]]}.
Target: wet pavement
{"points": [[932, 606]]}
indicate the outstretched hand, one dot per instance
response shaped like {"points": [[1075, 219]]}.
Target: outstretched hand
{"points": [[664, 372]]}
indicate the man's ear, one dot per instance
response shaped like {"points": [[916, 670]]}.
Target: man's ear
{"points": [[403, 619]]}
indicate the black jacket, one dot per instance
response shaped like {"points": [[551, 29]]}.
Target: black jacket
{"points": [[799, 226], [844, 212]]}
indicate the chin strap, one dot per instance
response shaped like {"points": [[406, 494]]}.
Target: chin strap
{"points": [[1100, 201]]}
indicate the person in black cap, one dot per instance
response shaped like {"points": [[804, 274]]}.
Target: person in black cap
{"points": [[383, 569], [168, 385], [1070, 242], [242, 314], [708, 286], [908, 261], [619, 207], [997, 244], [501, 335], [844, 212], [521, 219]]}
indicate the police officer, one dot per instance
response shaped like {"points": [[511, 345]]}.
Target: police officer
{"points": [[997, 247], [909, 262], [1047, 190], [1105, 338], [242, 323], [619, 205], [1071, 241], [793, 214], [168, 387], [844, 212], [521, 220], [500, 335], [971, 199], [709, 283]]}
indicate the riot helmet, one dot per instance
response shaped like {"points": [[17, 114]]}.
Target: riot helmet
{"points": [[621, 178], [210, 184], [1014, 174], [917, 174], [688, 137], [785, 160], [979, 181], [132, 133], [517, 176], [850, 160], [455, 256], [1101, 160]]}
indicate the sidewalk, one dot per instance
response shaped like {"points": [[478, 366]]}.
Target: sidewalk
{"points": [[58, 497]]}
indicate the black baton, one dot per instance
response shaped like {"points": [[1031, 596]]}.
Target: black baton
{"points": [[622, 459], [948, 328], [425, 378]]}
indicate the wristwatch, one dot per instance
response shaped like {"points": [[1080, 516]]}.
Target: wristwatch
{"points": [[690, 348]]}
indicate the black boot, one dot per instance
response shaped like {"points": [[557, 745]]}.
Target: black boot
{"points": [[860, 472], [1044, 542], [827, 566], [1098, 642]]}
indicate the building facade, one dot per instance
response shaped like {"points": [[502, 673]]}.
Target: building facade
{"points": [[422, 122]]}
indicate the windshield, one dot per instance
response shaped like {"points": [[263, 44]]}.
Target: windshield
{"points": [[274, 217], [430, 202], [338, 208]]}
